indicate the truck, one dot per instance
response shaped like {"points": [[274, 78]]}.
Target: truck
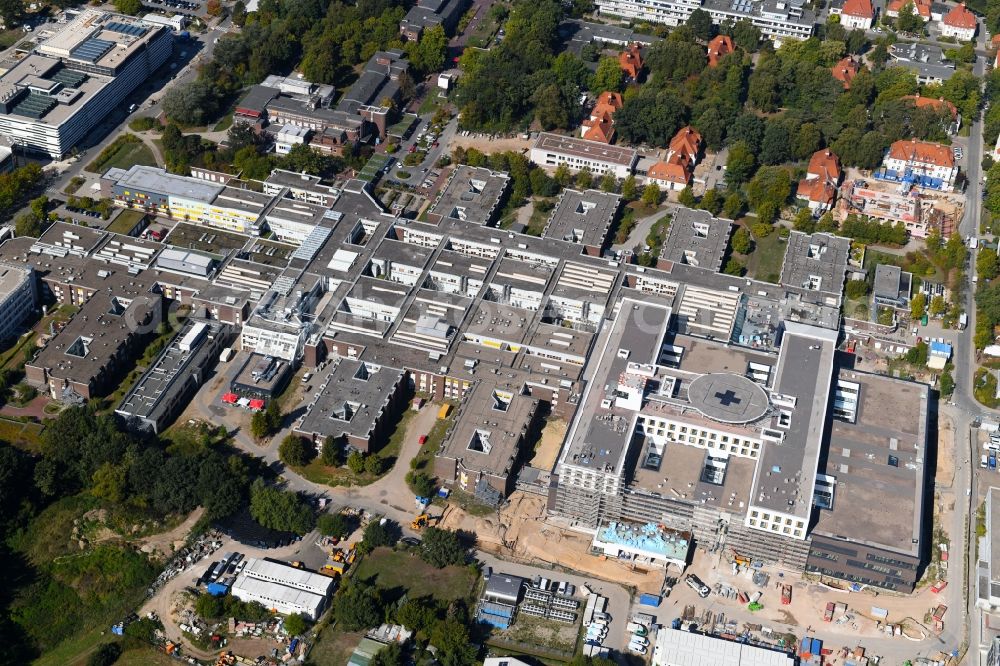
{"points": [[828, 613], [697, 585], [226, 354], [938, 613], [786, 594]]}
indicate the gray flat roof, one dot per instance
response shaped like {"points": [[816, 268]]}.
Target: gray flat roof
{"points": [[728, 397], [491, 422], [350, 400], [154, 393], [582, 217], [471, 194], [786, 472], [601, 440], [816, 263], [592, 150], [697, 239], [153, 179], [875, 501]]}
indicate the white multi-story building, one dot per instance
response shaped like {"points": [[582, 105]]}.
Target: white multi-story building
{"points": [[184, 198], [76, 75], [776, 19], [18, 296], [283, 588], [855, 14], [551, 150], [927, 164], [959, 23]]}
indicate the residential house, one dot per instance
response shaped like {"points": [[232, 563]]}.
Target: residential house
{"points": [[959, 23], [940, 104], [676, 170], [630, 60], [857, 14], [819, 188], [921, 8], [925, 164], [845, 71], [600, 125], [721, 45]]}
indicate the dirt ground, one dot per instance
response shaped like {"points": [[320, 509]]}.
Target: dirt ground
{"points": [[523, 534], [945, 472], [485, 144], [254, 647], [166, 543], [549, 444]]}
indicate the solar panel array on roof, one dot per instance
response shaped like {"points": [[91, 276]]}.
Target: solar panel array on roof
{"points": [[34, 106], [126, 28], [742, 6], [313, 242], [92, 50], [68, 77]]}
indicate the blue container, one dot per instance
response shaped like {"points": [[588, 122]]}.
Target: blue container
{"points": [[217, 589], [650, 600]]}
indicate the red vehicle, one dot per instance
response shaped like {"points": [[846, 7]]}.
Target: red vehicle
{"points": [[422, 440], [412, 149], [828, 615], [786, 594], [938, 586]]}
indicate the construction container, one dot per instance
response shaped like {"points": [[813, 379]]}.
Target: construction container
{"points": [[650, 600]]}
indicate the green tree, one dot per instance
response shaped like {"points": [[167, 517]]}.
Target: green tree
{"points": [[908, 20], [416, 614], [651, 195], [746, 35], [294, 450], [630, 190], [209, 607], [258, 425], [333, 451], [374, 465], [130, 7], [357, 607], [608, 182], [734, 267], [938, 306], [356, 462], [441, 547], [296, 624], [608, 76], [11, 12], [740, 164], [918, 304], [947, 384], [280, 510], [686, 197], [700, 23], [28, 224], [733, 206], [428, 55], [987, 265], [711, 201], [741, 241], [856, 289], [584, 179], [334, 525], [378, 533], [770, 186]]}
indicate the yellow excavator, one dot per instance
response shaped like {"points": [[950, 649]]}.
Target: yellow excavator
{"points": [[420, 521]]}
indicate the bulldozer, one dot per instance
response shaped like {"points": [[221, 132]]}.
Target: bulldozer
{"points": [[420, 521]]}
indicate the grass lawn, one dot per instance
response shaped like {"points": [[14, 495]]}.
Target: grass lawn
{"points": [[333, 648], [317, 472], [434, 438], [126, 221], [9, 37], [431, 102], [403, 570], [766, 258], [25, 434], [225, 123], [127, 155], [145, 657]]}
